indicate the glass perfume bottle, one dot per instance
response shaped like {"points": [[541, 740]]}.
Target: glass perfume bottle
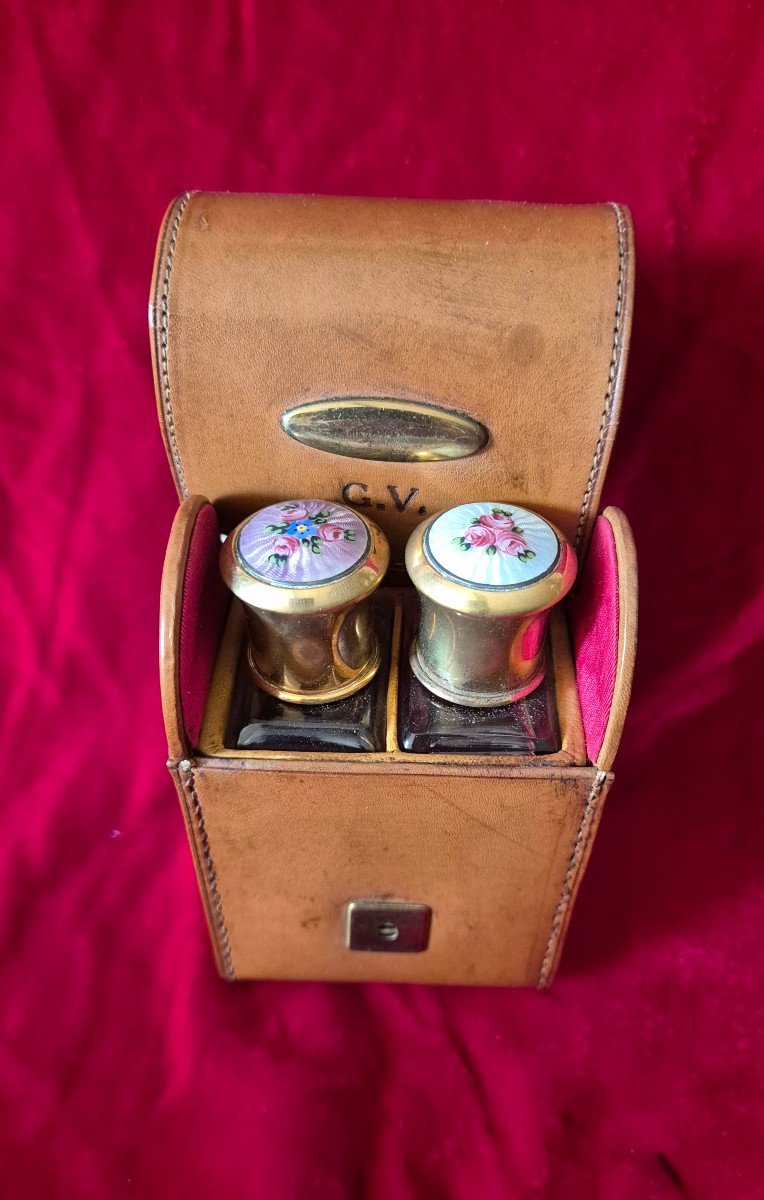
{"points": [[475, 676], [355, 724], [428, 724], [314, 666]]}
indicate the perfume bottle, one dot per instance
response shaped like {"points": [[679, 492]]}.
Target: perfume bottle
{"points": [[476, 678], [356, 724], [306, 572]]}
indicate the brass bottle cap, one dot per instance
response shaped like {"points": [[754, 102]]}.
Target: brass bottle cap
{"points": [[487, 574], [305, 571]]}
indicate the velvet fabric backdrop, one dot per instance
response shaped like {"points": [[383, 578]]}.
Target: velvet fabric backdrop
{"points": [[127, 1068]]}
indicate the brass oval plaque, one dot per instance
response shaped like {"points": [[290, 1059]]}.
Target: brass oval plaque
{"points": [[384, 429]]}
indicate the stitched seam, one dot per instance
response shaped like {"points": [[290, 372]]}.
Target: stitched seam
{"points": [[579, 847], [615, 356], [212, 882], [164, 324]]}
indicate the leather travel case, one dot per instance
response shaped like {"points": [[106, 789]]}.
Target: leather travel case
{"points": [[518, 316]]}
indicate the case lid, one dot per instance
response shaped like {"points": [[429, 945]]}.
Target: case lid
{"points": [[483, 342]]}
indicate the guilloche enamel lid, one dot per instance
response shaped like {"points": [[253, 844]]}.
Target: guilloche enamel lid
{"points": [[300, 556], [491, 558]]}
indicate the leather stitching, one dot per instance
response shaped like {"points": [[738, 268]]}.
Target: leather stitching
{"points": [[211, 880], [615, 358], [164, 324], [579, 848]]}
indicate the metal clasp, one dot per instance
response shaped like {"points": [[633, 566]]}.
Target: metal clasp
{"points": [[387, 926]]}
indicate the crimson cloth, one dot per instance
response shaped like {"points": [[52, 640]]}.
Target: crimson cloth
{"points": [[127, 1067]]}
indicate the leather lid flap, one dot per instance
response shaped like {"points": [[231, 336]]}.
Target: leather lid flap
{"points": [[515, 315]]}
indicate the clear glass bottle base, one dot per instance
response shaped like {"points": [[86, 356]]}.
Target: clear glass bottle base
{"points": [[426, 723], [258, 721], [429, 725]]}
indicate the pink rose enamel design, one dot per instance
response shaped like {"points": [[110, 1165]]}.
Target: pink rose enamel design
{"points": [[479, 535], [509, 542], [331, 533], [496, 533], [298, 527], [285, 545], [497, 519]]}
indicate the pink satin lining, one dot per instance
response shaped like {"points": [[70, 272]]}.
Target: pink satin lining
{"points": [[593, 616]]}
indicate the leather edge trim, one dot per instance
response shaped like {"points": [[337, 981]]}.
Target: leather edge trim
{"points": [[160, 323], [206, 871], [628, 605], [578, 856], [170, 611], [616, 373]]}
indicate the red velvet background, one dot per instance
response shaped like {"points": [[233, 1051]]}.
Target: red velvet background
{"points": [[127, 1068]]}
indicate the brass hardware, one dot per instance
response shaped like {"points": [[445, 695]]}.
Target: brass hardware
{"points": [[385, 429], [487, 576], [306, 583], [389, 926]]}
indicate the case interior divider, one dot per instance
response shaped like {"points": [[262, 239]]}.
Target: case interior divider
{"points": [[212, 738]]}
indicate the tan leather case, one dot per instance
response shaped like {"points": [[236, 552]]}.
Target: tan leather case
{"points": [[518, 315]]}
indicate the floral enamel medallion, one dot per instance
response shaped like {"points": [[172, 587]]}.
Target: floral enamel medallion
{"points": [[301, 543], [492, 545]]}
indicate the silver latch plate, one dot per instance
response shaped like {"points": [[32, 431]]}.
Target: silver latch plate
{"points": [[388, 926]]}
